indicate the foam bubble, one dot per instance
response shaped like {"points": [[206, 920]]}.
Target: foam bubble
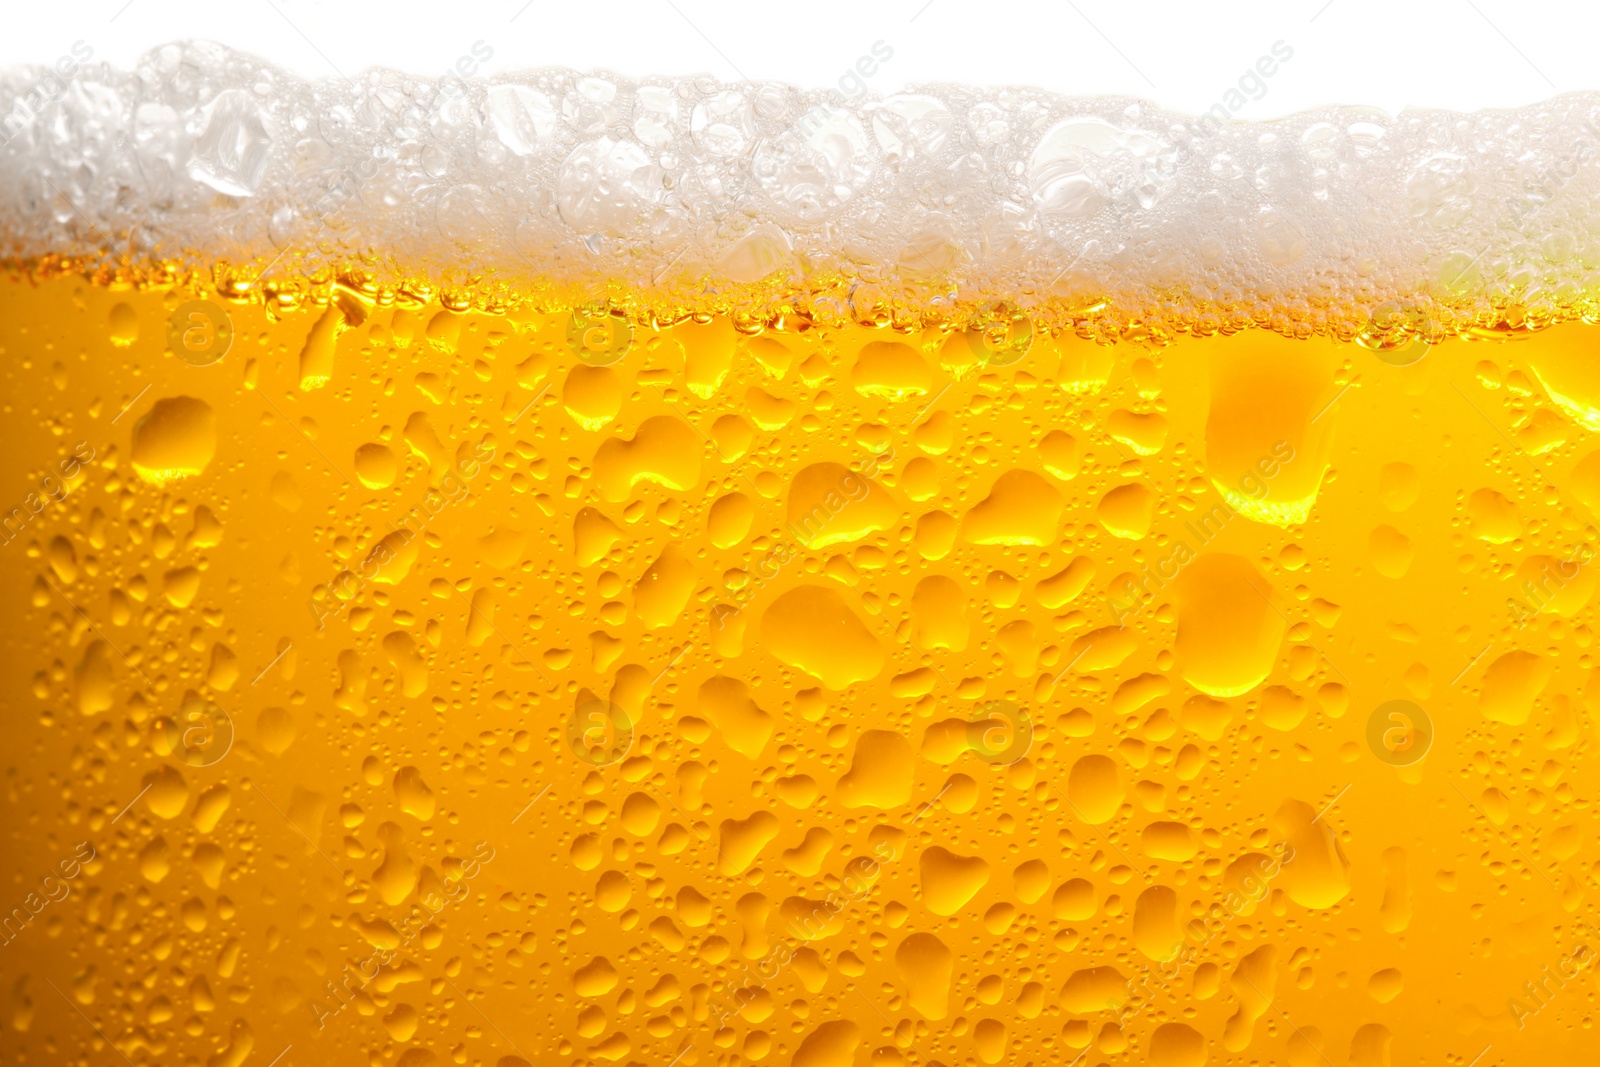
{"points": [[944, 197]]}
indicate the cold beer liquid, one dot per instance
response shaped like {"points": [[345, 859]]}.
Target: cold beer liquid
{"points": [[729, 603]]}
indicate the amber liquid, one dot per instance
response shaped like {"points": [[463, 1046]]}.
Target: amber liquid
{"points": [[393, 684]]}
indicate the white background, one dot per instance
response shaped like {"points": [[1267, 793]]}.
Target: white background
{"points": [[1462, 54]]}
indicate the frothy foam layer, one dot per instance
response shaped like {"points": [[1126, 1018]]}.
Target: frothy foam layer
{"points": [[761, 196]]}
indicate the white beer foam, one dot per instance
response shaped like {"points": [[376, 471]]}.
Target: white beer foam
{"points": [[945, 194]]}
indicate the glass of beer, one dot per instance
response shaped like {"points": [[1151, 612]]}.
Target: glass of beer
{"points": [[548, 568]]}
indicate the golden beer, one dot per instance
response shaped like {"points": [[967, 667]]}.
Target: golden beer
{"points": [[834, 664]]}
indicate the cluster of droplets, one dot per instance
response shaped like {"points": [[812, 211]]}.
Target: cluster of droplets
{"points": [[938, 198]]}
